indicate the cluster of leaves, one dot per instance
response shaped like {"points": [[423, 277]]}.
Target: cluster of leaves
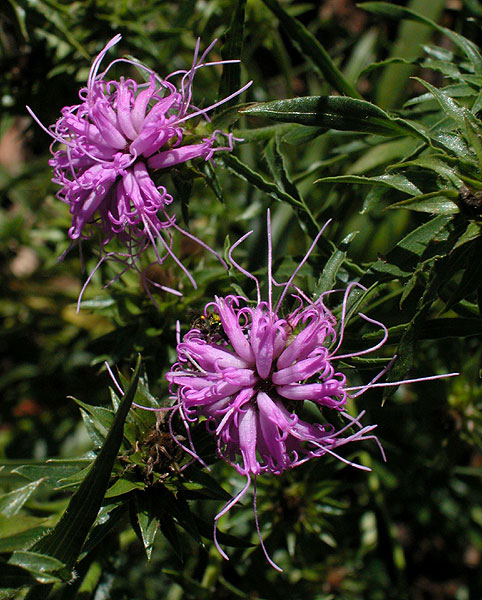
{"points": [[404, 189]]}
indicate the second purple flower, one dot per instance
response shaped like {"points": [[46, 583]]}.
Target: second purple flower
{"points": [[112, 141]]}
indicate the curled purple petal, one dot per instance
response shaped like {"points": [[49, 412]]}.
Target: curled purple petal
{"points": [[112, 140]]}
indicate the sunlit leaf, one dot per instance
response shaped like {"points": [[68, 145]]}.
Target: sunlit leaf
{"points": [[335, 112]]}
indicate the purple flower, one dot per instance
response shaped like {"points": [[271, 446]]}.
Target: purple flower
{"points": [[247, 371], [112, 141]]}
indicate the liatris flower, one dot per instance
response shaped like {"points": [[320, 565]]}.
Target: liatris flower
{"points": [[248, 370], [112, 141]]}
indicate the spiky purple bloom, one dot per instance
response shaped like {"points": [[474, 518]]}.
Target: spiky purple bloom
{"points": [[112, 141], [249, 371]]}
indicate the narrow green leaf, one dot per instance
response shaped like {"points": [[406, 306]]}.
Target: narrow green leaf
{"points": [[53, 16], [334, 263], [123, 486], [442, 270], [208, 484], [73, 480], [22, 523], [449, 107], [262, 134], [393, 180], [23, 540], [12, 502], [472, 272], [66, 540], [382, 154], [277, 165], [102, 417], [401, 261], [147, 521], [33, 561], [21, 14], [399, 12], [211, 178], [437, 165], [96, 432], [245, 172], [300, 134], [435, 203], [107, 519], [392, 85], [335, 112], [473, 132], [309, 46], [232, 47]]}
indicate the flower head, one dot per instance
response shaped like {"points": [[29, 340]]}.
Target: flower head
{"points": [[111, 142], [248, 370]]}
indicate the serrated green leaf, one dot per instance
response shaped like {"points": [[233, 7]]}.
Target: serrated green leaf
{"points": [[309, 47], [101, 416], [21, 524], [21, 541], [335, 112], [66, 540], [12, 502]]}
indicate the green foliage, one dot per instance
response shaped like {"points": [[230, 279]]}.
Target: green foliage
{"points": [[98, 500]]}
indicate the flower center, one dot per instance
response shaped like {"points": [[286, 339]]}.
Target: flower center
{"points": [[264, 385]]}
